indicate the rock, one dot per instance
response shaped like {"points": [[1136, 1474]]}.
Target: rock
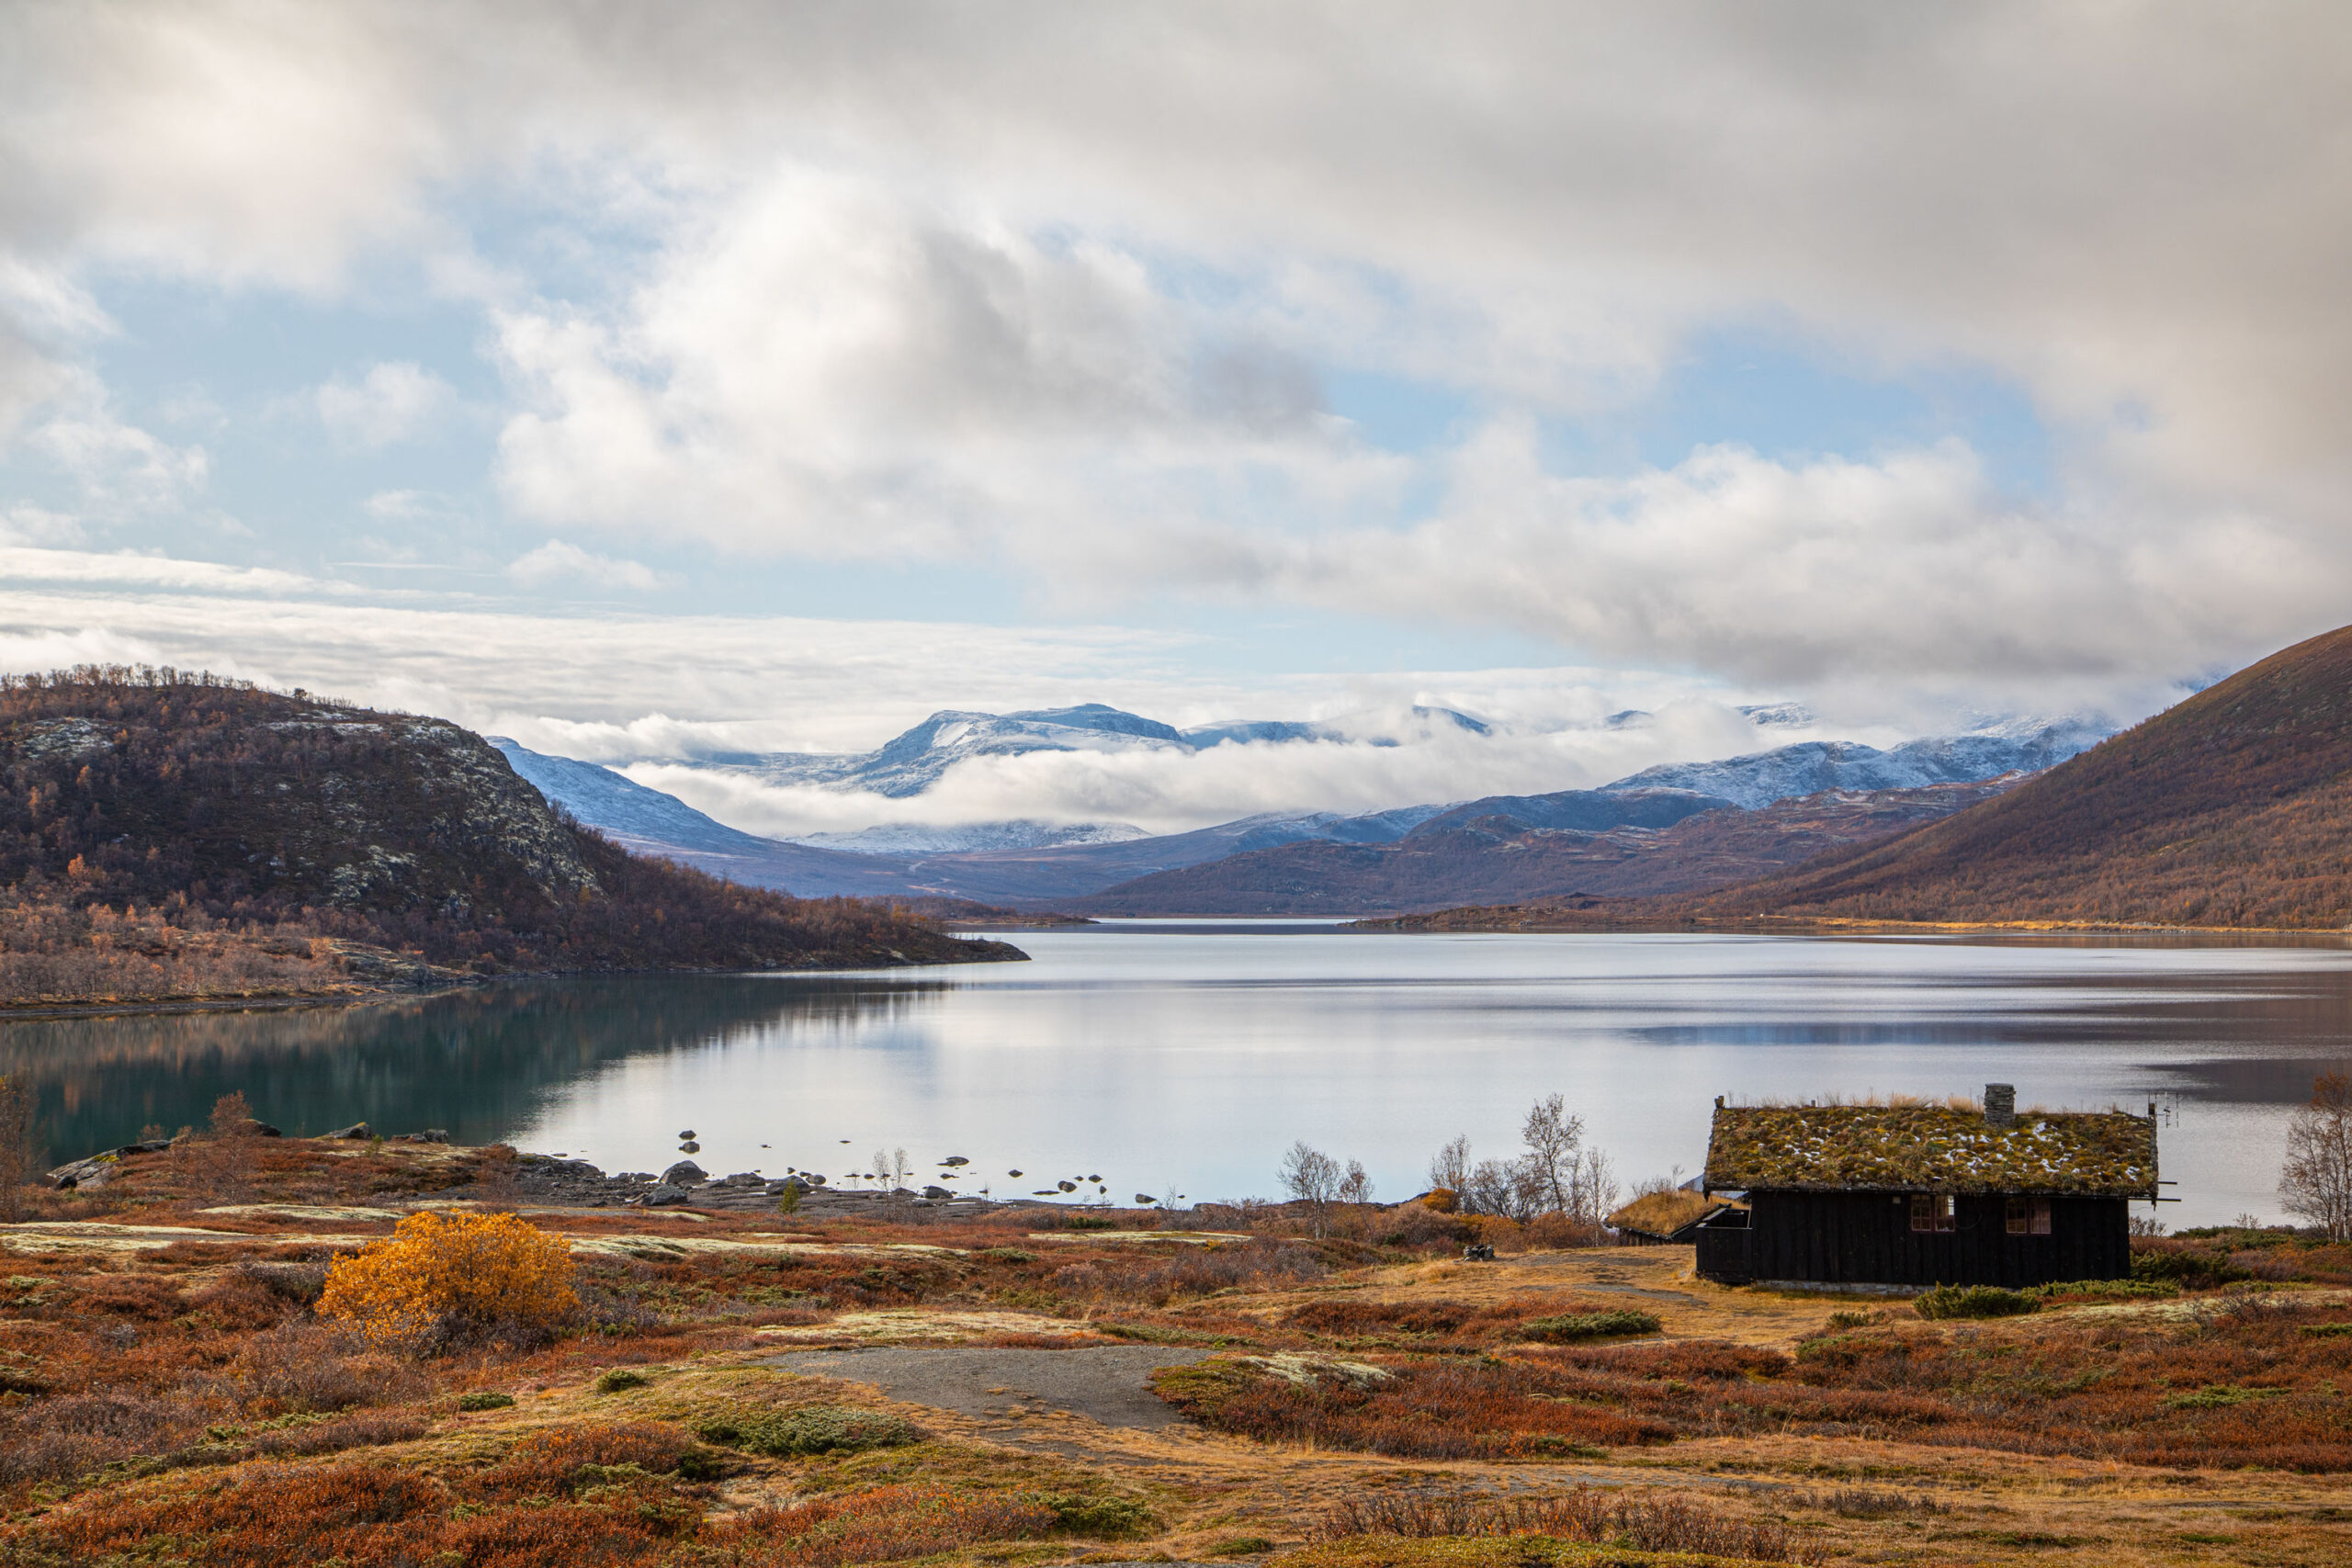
{"points": [[262, 1130], [356, 1130], [1066, 1186], [1094, 1178], [743, 1179], [689, 1147], [685, 1173], [937, 1194], [667, 1194], [1478, 1252], [95, 1171], [1011, 1173], [686, 1136], [955, 1159], [430, 1136], [1146, 1199]]}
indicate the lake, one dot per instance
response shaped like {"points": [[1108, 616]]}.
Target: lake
{"points": [[1160, 1054]]}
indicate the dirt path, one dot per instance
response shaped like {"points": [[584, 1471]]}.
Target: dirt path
{"points": [[1104, 1382]]}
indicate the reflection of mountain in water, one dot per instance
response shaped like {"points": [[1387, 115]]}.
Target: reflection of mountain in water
{"points": [[477, 1063]]}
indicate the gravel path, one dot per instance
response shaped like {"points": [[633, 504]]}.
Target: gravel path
{"points": [[1104, 1381]]}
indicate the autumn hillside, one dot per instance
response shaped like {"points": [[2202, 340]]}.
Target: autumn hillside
{"points": [[165, 834], [2234, 808]]}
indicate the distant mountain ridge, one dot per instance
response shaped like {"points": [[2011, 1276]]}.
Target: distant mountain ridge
{"points": [[1810, 767], [1035, 864], [914, 760]]}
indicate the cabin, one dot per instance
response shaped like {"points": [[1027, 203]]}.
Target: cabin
{"points": [[1656, 1218], [1920, 1195]]}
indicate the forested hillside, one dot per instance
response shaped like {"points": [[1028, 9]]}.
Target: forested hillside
{"points": [[164, 833]]}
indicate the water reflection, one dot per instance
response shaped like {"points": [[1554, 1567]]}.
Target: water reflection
{"points": [[478, 1063], [1157, 1053]]}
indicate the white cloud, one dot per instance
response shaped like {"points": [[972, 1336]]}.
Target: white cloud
{"points": [[1050, 284], [396, 400], [556, 562]]}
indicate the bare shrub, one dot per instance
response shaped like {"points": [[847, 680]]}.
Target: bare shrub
{"points": [[368, 1430], [2317, 1180], [313, 1366], [1645, 1523], [1312, 1180], [70, 1435], [21, 1155]]}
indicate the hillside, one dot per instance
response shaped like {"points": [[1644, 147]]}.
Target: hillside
{"points": [[1491, 853], [2233, 809], [164, 834]]}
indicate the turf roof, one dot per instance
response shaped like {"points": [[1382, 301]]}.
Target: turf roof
{"points": [[1663, 1214], [1929, 1148]]}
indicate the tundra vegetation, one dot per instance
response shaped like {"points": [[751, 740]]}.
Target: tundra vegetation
{"points": [[246, 1349]]}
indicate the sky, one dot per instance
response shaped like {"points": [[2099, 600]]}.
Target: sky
{"points": [[644, 380]]}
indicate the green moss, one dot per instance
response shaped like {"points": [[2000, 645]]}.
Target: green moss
{"points": [[809, 1429], [1835, 1148], [1975, 1301], [615, 1380], [484, 1399], [1571, 1327]]}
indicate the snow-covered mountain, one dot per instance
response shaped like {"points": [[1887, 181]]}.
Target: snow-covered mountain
{"points": [[912, 763], [970, 838], [605, 800], [1812, 766]]}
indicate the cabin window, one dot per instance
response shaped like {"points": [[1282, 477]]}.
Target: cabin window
{"points": [[2028, 1216], [1931, 1212]]}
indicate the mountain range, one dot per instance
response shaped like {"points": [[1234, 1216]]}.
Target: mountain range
{"points": [[1627, 837], [2230, 811]]}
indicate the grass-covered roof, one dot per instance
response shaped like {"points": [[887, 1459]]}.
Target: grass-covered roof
{"points": [[1663, 1214], [1929, 1148]]}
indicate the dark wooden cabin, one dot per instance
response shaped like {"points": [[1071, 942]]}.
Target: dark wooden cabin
{"points": [[1924, 1194]]}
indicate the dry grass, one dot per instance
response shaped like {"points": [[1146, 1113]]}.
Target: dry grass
{"points": [[1647, 1522], [1451, 1409]]}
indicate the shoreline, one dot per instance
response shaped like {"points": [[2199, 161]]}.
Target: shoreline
{"points": [[1793, 925]]}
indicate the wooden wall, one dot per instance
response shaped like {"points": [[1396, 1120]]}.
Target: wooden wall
{"points": [[1865, 1238]]}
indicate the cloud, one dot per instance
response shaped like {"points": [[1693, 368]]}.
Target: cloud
{"points": [[1170, 790], [396, 400], [556, 562], [1060, 288]]}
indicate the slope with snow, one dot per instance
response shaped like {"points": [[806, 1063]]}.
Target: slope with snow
{"points": [[1812, 766]]}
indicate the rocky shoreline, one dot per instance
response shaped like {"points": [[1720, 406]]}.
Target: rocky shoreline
{"points": [[558, 1181], [575, 1183]]}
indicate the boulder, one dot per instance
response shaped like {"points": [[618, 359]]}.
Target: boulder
{"points": [[686, 1136], [356, 1130], [685, 1173], [955, 1160], [95, 1171], [937, 1194], [743, 1179], [689, 1147], [1146, 1199], [667, 1194]]}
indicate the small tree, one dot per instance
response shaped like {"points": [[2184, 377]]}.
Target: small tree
{"points": [[20, 1157], [1356, 1187], [1312, 1177], [2316, 1181], [1553, 1138], [1450, 1169]]}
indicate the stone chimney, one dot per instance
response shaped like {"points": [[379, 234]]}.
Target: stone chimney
{"points": [[2000, 1105]]}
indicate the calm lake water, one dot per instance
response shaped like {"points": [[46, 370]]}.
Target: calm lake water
{"points": [[1161, 1054]]}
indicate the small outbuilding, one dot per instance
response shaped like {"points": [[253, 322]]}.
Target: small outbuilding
{"points": [[1919, 1195], [1657, 1218]]}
